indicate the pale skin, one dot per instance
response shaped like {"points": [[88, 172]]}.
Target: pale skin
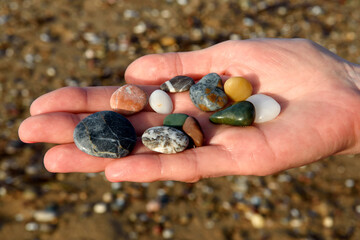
{"points": [[317, 90]]}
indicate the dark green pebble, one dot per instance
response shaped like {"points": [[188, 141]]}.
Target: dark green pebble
{"points": [[239, 114], [175, 120]]}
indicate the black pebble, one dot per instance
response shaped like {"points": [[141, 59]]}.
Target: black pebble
{"points": [[178, 84], [105, 134]]}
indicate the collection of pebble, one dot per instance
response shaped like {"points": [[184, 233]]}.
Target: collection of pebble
{"points": [[109, 134]]}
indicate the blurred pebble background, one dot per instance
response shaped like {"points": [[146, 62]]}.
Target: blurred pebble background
{"points": [[45, 45]]}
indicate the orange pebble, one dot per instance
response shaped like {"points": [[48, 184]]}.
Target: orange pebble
{"points": [[238, 88], [128, 99]]}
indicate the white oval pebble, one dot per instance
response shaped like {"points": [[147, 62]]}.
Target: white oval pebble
{"points": [[100, 208], [328, 222], [266, 108], [44, 216], [257, 220], [161, 102], [32, 226], [167, 233]]}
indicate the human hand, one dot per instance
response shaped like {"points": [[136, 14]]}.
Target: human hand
{"points": [[317, 90]]}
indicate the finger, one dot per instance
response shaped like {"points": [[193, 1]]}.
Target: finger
{"points": [[188, 166], [50, 128], [78, 100], [59, 127], [155, 69], [94, 99], [73, 99], [68, 158]]}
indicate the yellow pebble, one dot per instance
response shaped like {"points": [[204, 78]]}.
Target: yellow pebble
{"points": [[238, 88]]}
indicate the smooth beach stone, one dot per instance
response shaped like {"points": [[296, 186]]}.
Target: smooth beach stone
{"points": [[207, 98], [212, 79], [192, 128], [175, 120], [128, 99], [208, 94], [161, 102], [239, 114], [266, 108], [165, 139], [105, 134], [177, 84], [238, 89]]}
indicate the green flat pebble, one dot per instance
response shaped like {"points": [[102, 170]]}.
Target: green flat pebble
{"points": [[175, 120], [239, 114]]}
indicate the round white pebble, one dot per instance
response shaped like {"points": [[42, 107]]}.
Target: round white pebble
{"points": [[168, 233], [328, 222], [100, 208], [32, 226], [44, 216], [257, 221], [161, 102], [266, 108]]}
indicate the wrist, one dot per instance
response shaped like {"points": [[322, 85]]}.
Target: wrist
{"points": [[353, 71], [353, 77]]}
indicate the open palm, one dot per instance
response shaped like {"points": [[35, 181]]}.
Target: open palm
{"points": [[315, 88]]}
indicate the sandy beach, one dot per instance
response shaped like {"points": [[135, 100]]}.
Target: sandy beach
{"points": [[46, 45]]}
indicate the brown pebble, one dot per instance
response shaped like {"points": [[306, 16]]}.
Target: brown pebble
{"points": [[192, 128], [128, 99]]}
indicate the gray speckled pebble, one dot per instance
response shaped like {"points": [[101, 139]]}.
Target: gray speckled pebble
{"points": [[105, 134], [208, 93], [165, 139], [213, 80]]}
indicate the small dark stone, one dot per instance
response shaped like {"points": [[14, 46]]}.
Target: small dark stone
{"points": [[177, 84], [105, 134], [239, 114]]}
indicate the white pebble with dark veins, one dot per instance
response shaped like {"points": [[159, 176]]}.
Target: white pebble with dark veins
{"points": [[165, 139]]}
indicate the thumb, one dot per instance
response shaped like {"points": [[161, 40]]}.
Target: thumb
{"points": [[155, 69]]}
